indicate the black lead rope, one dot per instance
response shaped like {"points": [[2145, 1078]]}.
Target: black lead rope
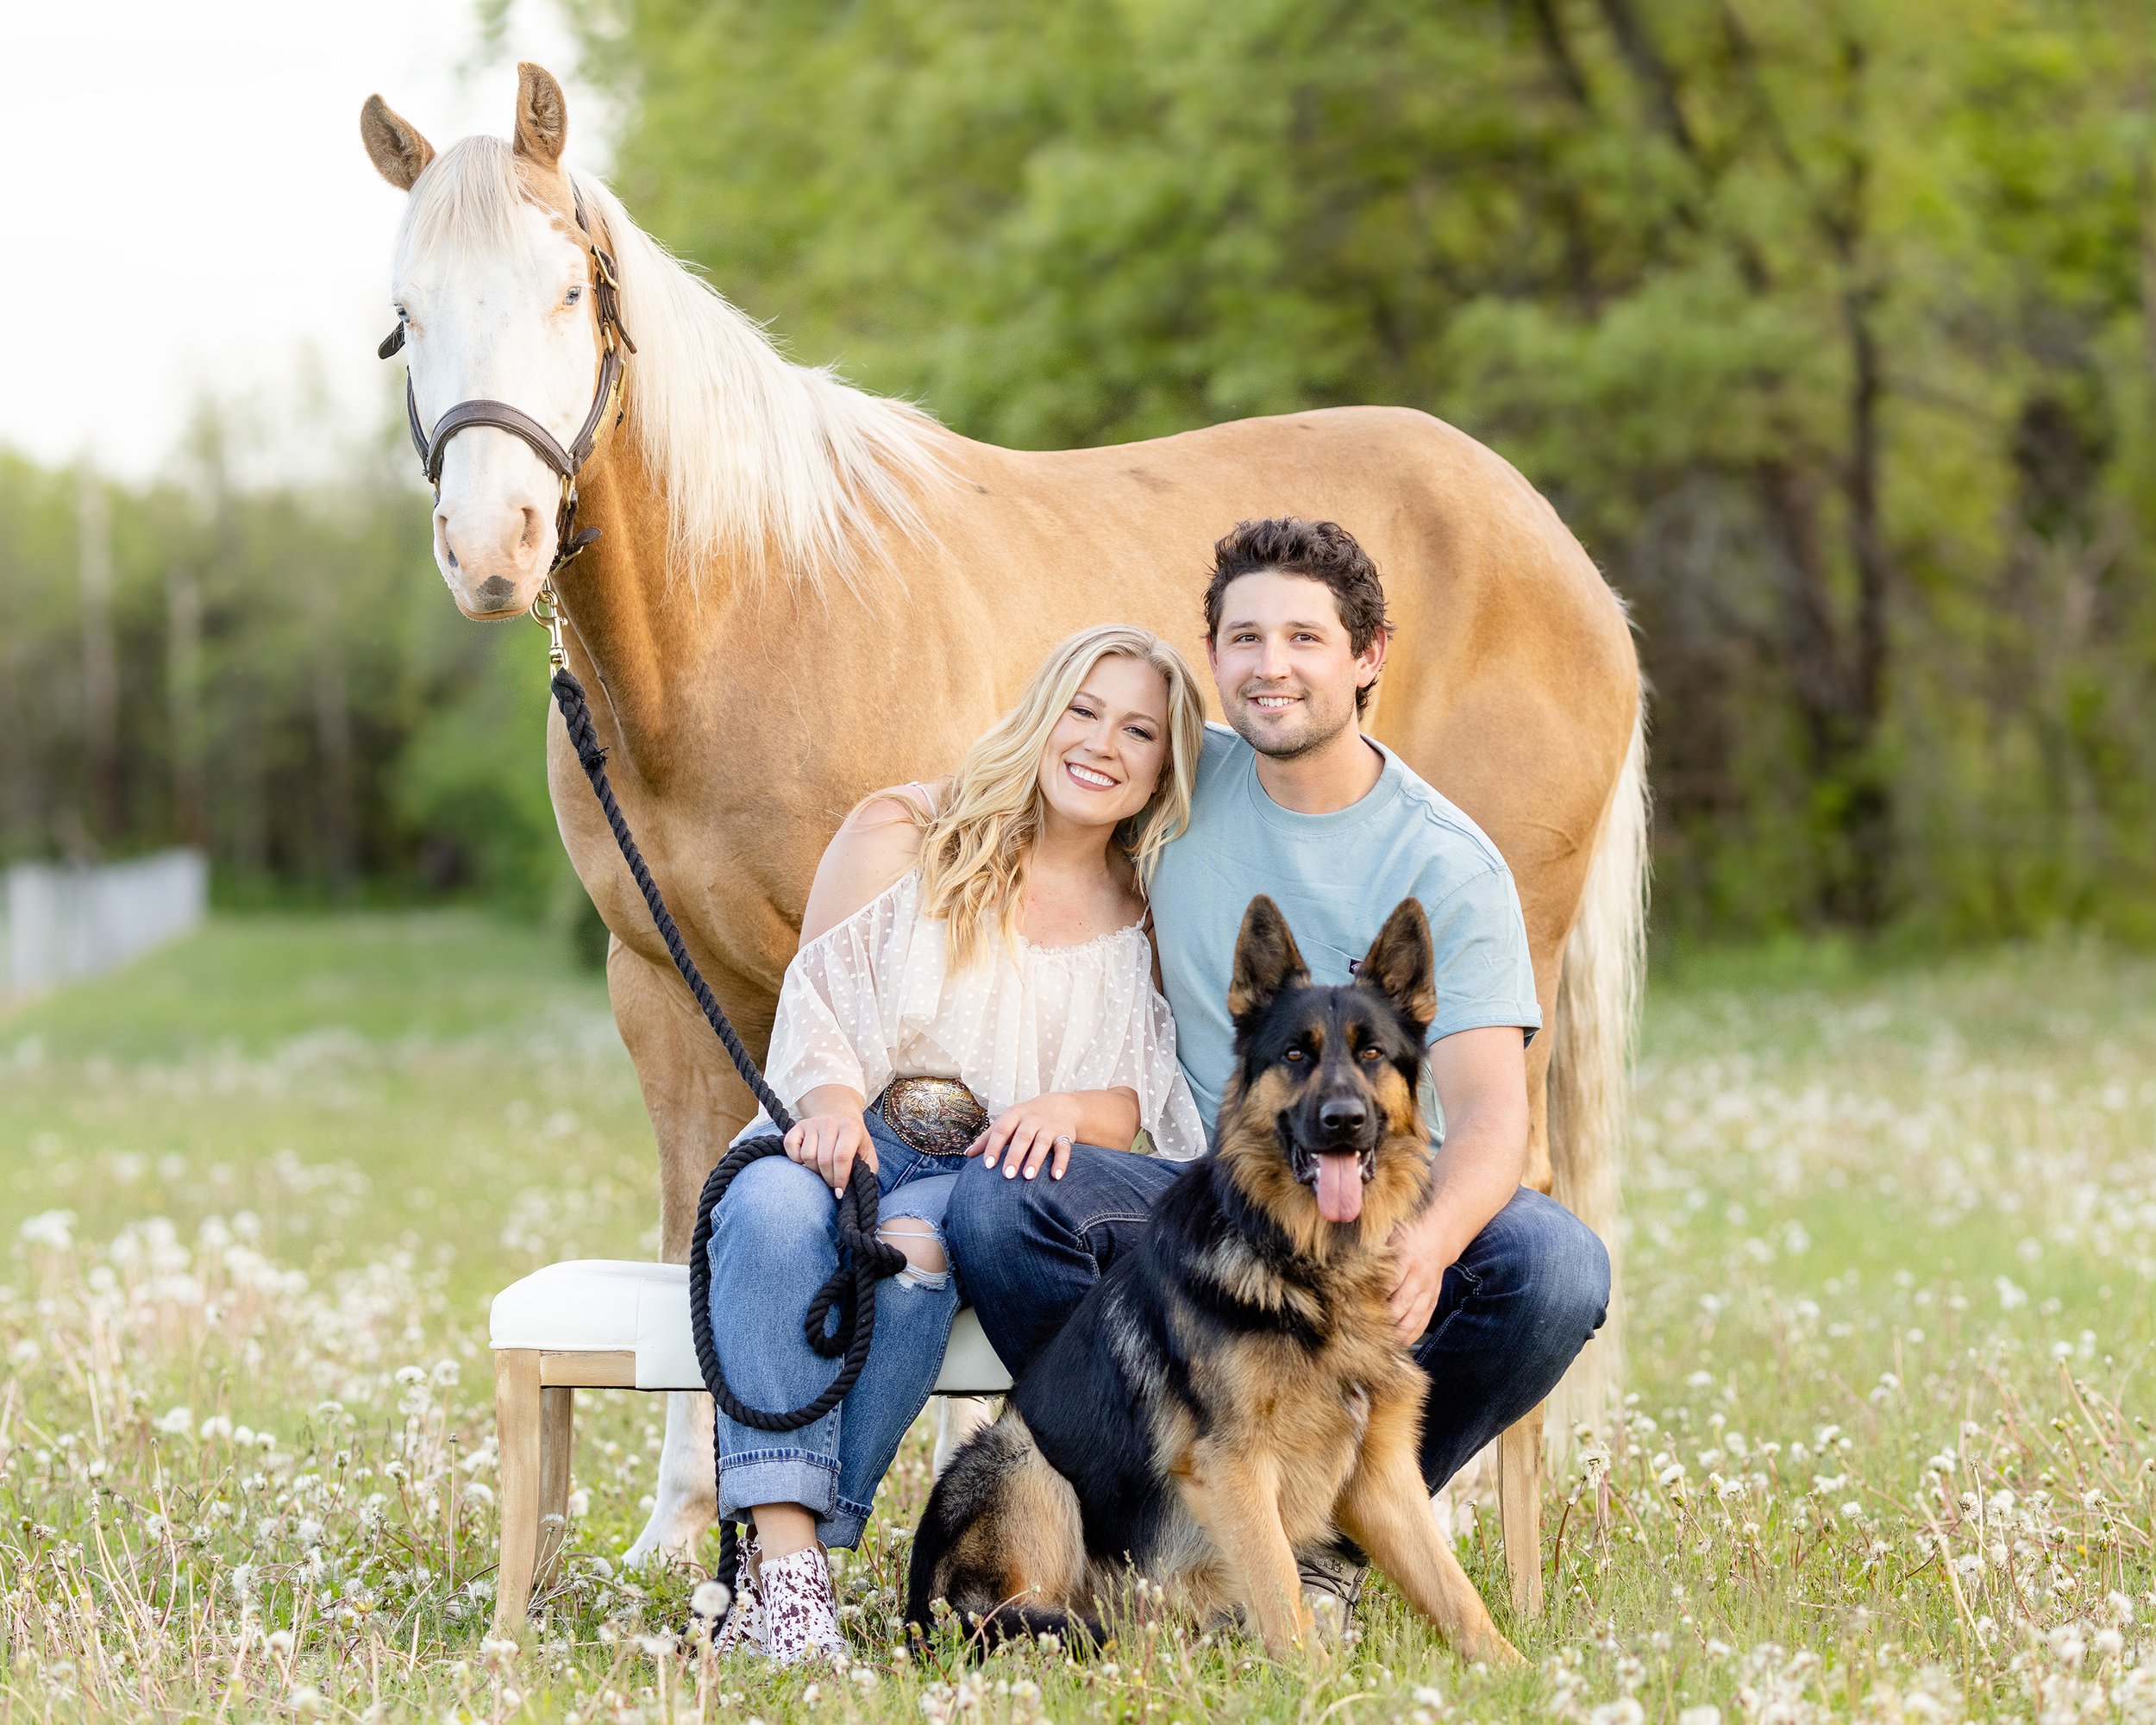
{"points": [[849, 1295]]}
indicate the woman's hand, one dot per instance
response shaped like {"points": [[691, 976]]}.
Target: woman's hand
{"points": [[829, 1143], [1031, 1134]]}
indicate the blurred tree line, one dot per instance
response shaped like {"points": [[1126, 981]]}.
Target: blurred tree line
{"points": [[1829, 325], [271, 672]]}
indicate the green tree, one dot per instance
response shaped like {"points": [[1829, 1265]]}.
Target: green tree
{"points": [[1825, 325]]}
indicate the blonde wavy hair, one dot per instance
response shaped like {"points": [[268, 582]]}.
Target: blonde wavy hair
{"points": [[973, 849]]}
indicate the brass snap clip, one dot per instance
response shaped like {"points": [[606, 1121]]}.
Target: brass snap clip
{"points": [[546, 611]]}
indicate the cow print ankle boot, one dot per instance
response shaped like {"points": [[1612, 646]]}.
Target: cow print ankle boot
{"points": [[743, 1629], [800, 1614]]}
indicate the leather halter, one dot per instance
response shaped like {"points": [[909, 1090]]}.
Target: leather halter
{"points": [[568, 463]]}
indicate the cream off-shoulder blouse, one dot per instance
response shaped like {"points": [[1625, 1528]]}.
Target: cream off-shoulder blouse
{"points": [[872, 999]]}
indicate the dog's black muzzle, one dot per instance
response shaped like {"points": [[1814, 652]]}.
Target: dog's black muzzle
{"points": [[1329, 1125]]}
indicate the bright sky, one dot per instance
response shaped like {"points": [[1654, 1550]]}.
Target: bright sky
{"points": [[191, 209]]}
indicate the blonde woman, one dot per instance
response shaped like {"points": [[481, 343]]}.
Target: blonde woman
{"points": [[974, 977]]}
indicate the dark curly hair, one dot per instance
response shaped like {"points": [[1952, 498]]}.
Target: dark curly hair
{"points": [[1317, 551]]}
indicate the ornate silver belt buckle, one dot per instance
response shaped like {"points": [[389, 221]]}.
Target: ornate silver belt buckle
{"points": [[935, 1116]]}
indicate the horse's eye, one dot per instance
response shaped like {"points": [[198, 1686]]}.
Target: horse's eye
{"points": [[573, 296]]}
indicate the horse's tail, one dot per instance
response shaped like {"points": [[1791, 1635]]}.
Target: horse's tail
{"points": [[1599, 986]]}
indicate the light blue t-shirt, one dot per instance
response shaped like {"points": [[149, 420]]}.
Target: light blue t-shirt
{"points": [[1335, 877]]}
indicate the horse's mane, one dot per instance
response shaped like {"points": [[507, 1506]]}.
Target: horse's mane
{"points": [[773, 468]]}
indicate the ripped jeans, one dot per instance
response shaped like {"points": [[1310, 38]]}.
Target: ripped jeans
{"points": [[775, 1241]]}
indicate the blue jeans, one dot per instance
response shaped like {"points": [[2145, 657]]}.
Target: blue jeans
{"points": [[775, 1241], [1512, 1314]]}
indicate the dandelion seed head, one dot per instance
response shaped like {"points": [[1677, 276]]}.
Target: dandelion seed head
{"points": [[49, 1229]]}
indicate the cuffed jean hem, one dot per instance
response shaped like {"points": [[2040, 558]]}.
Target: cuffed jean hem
{"points": [[780, 1477], [789, 1477], [844, 1526]]}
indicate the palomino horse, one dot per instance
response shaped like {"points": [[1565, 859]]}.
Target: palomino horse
{"points": [[801, 593]]}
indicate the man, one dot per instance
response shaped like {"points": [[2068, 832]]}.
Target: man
{"points": [[1499, 1287]]}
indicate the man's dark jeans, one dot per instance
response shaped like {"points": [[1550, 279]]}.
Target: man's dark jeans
{"points": [[1513, 1312]]}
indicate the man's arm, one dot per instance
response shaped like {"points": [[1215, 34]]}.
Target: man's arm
{"points": [[1481, 1082]]}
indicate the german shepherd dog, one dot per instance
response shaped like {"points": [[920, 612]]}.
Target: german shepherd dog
{"points": [[1232, 1392]]}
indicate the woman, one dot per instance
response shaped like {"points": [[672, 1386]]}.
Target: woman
{"points": [[991, 931]]}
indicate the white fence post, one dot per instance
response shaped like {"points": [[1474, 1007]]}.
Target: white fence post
{"points": [[67, 923]]}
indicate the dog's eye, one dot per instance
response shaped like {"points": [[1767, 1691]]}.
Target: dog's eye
{"points": [[1373, 1052], [1296, 1055]]}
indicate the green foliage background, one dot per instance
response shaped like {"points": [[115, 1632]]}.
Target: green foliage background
{"points": [[339, 735], [1830, 327]]}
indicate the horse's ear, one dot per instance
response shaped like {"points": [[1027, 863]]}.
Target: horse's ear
{"points": [[394, 143], [542, 115]]}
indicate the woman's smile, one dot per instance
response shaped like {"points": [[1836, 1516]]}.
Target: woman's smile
{"points": [[1091, 778]]}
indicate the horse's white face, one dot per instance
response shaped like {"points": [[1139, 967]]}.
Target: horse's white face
{"points": [[516, 326], [508, 317]]}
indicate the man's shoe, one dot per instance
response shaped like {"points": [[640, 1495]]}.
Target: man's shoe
{"points": [[1330, 1586]]}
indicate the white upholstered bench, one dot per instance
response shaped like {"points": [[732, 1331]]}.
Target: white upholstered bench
{"points": [[609, 1324]]}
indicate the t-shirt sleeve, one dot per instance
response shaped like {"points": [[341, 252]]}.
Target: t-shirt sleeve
{"points": [[1484, 974]]}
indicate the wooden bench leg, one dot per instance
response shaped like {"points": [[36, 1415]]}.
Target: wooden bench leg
{"points": [[1520, 1511], [557, 1442], [517, 1424]]}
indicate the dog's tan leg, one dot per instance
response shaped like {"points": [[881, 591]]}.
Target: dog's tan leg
{"points": [[1385, 1509], [1235, 1499]]}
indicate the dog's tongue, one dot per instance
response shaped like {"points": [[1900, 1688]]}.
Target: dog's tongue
{"points": [[1340, 1187]]}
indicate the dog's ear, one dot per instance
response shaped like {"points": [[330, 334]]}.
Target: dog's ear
{"points": [[1266, 961], [1400, 965]]}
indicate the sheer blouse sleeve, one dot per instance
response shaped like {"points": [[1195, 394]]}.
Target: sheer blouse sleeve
{"points": [[1144, 1061], [1165, 1104], [835, 1022]]}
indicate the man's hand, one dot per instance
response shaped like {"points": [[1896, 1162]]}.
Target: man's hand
{"points": [[1482, 1081], [1422, 1263]]}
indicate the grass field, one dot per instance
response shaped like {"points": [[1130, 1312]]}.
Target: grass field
{"points": [[1893, 1243]]}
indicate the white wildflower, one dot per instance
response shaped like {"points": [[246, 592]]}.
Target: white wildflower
{"points": [[52, 1229]]}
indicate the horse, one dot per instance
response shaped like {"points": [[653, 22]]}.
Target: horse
{"points": [[799, 592]]}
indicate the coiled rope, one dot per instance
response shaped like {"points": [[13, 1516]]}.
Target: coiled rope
{"points": [[850, 1294]]}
